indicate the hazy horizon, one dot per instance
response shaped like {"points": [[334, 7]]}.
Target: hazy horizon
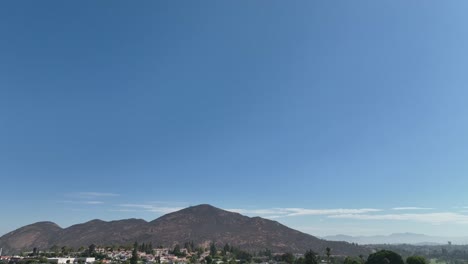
{"points": [[345, 117]]}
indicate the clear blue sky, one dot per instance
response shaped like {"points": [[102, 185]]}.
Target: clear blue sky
{"points": [[113, 109]]}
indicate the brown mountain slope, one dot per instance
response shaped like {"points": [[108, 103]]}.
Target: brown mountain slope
{"points": [[37, 235], [100, 232], [200, 224], [205, 223]]}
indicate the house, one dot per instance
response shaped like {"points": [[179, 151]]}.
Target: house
{"points": [[61, 260]]}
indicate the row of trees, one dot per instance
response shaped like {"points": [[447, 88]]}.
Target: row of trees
{"points": [[391, 257], [230, 255], [450, 254], [380, 257]]}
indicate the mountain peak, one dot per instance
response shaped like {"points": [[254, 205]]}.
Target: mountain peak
{"points": [[46, 224], [201, 214], [203, 207]]}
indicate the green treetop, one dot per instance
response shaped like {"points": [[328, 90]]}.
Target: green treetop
{"points": [[384, 257], [416, 260]]}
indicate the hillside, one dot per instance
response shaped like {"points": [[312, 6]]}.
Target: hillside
{"points": [[200, 224]]}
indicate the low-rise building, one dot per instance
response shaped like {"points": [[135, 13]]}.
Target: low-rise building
{"points": [[61, 260], [71, 260]]}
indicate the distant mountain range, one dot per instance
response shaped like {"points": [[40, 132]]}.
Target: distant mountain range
{"points": [[399, 238], [201, 224]]}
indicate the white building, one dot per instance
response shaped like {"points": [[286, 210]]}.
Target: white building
{"points": [[71, 260], [61, 260]]}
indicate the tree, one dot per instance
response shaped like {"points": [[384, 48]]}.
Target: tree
{"points": [[384, 257], [213, 249], [55, 249], [328, 252], [65, 250], [149, 249], [241, 255], [176, 249], [310, 257], [134, 258], [188, 246], [266, 253], [200, 251], [300, 260], [351, 260], [226, 248], [91, 250], [208, 259], [416, 260], [288, 258], [193, 259]]}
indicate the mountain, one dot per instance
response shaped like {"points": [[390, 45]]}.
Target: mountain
{"points": [[39, 234], [205, 223], [399, 238], [201, 224], [100, 232]]}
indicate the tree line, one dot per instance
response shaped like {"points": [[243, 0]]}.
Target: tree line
{"points": [[229, 254]]}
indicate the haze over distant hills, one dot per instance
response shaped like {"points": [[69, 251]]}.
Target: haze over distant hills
{"points": [[201, 224], [399, 238]]}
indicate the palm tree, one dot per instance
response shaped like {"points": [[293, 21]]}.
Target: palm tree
{"points": [[328, 254]]}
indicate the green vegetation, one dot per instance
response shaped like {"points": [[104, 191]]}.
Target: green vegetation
{"points": [[134, 258], [147, 248], [213, 250], [384, 257], [310, 257], [226, 249], [232, 255], [189, 246], [434, 254], [354, 260], [208, 259], [416, 260], [286, 257]]}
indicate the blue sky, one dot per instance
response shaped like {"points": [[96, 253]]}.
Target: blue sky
{"points": [[327, 116]]}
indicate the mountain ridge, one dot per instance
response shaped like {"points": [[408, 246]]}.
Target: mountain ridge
{"points": [[201, 224]]}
